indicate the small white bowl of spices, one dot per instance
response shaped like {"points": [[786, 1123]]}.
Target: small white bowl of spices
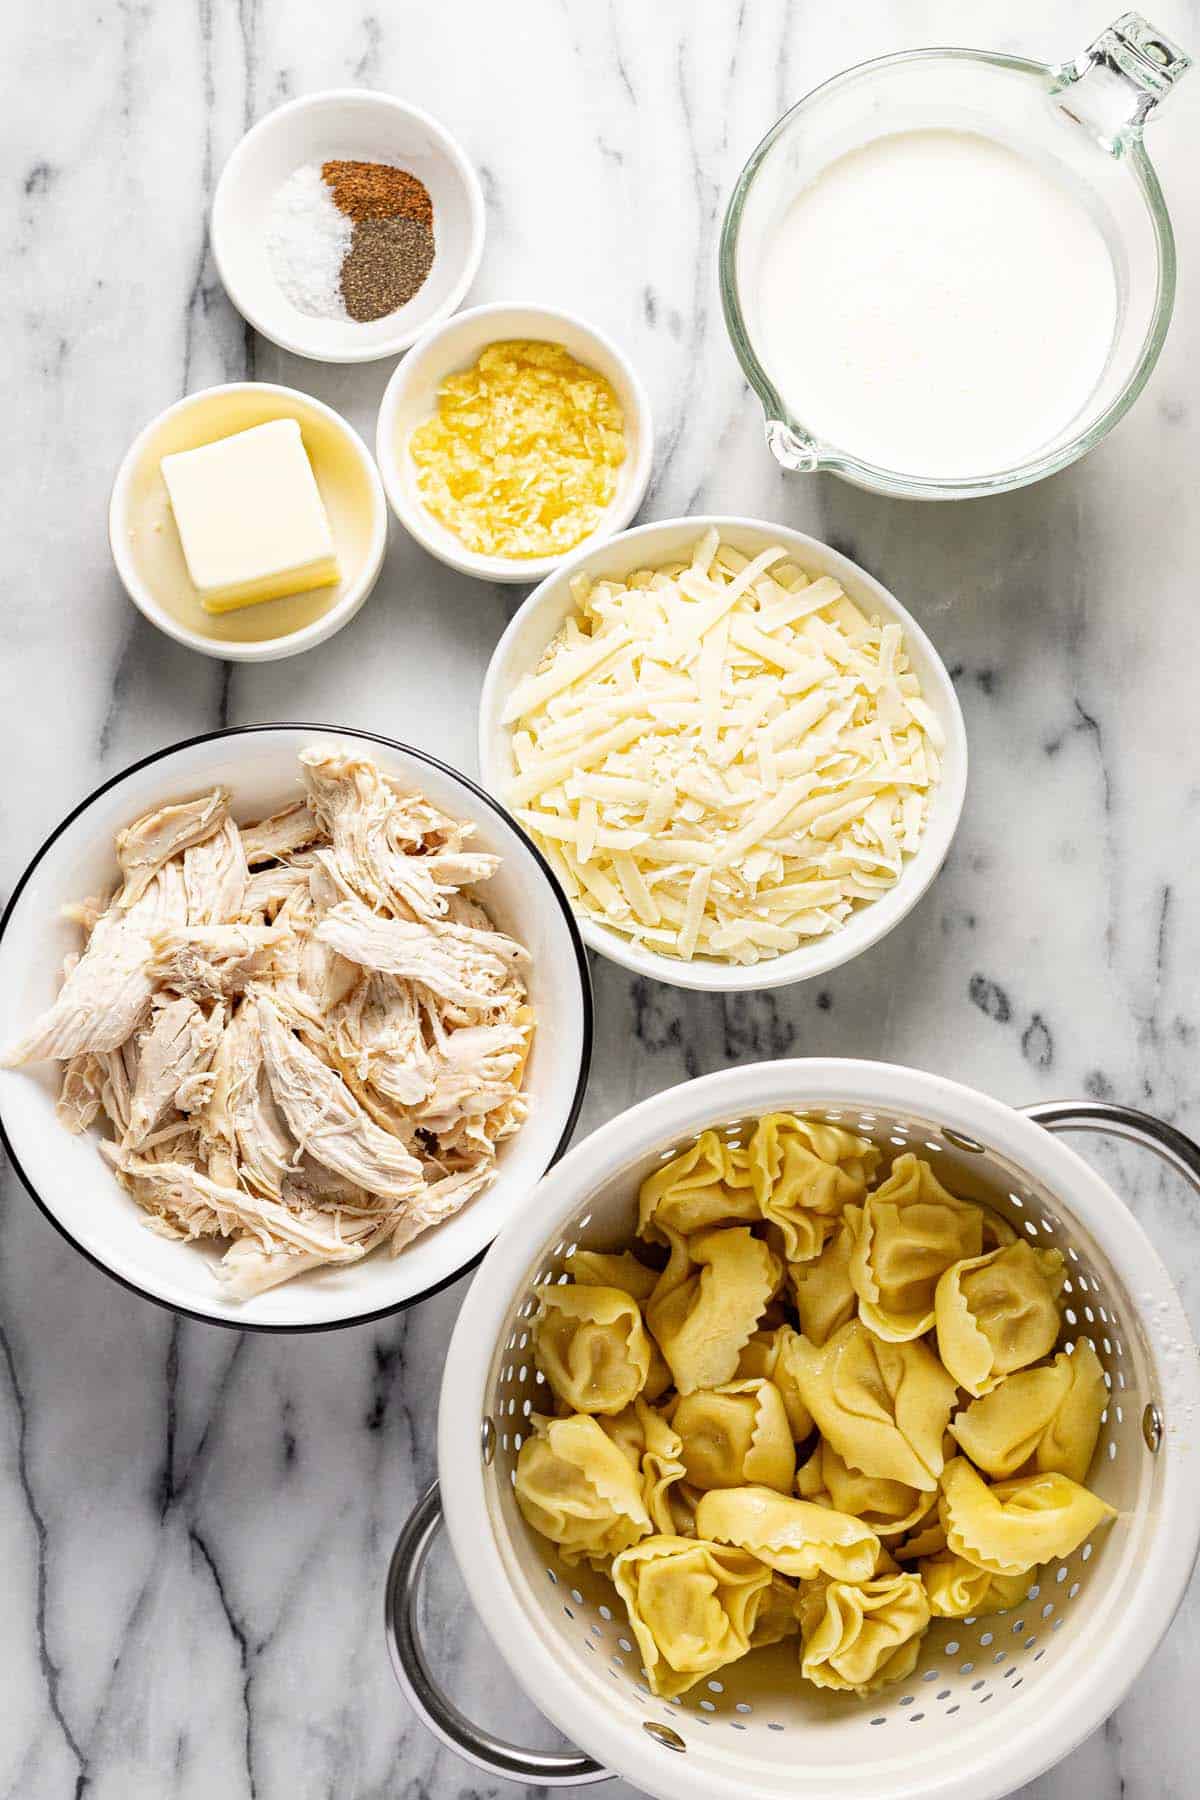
{"points": [[511, 437], [345, 224]]}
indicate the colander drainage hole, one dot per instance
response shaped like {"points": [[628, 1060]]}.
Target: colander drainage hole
{"points": [[553, 1577], [624, 1644], [915, 1718], [907, 1700], [944, 1694], [774, 1725], [879, 1720], [742, 1707], [707, 1706], [953, 1647], [716, 1687], [986, 1638], [605, 1612], [965, 1668], [576, 1596], [568, 1612]]}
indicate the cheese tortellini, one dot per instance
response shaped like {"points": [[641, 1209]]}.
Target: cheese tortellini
{"points": [[905, 1236], [772, 1354], [1048, 1418], [884, 1407], [578, 1488], [888, 1507], [859, 1638], [822, 1289], [734, 1434], [804, 1175], [710, 1184], [793, 1537], [693, 1606], [708, 1302], [820, 1399], [591, 1347], [998, 1312], [1010, 1527], [956, 1589]]}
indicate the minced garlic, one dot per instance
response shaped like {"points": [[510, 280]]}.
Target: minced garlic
{"points": [[520, 458]]}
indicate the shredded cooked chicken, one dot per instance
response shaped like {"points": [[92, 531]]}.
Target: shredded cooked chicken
{"points": [[306, 1036]]}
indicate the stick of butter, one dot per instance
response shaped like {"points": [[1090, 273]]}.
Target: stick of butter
{"points": [[250, 517]]}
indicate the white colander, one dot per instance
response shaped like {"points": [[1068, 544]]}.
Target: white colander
{"points": [[994, 1701]]}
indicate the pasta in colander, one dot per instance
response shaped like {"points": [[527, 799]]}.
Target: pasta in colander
{"points": [[998, 1312], [884, 1407], [734, 1434], [905, 1236], [859, 1638], [577, 1487], [804, 1175], [773, 1355], [1012, 1526], [794, 1537], [888, 1507], [592, 1348], [655, 1450], [693, 1606], [1048, 1417], [708, 1302], [621, 1270], [957, 1589], [822, 1290], [709, 1184], [744, 1482]]}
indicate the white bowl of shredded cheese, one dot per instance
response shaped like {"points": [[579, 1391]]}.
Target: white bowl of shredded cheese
{"points": [[744, 760]]}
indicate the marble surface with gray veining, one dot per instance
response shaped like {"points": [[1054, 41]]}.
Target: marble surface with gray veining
{"points": [[195, 1525]]}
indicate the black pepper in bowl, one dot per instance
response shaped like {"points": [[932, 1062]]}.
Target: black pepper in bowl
{"points": [[386, 263]]}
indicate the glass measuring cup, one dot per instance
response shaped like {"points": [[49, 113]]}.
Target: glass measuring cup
{"points": [[1084, 119]]}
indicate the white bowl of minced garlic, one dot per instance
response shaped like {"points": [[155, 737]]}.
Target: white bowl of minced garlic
{"points": [[741, 756], [511, 437]]}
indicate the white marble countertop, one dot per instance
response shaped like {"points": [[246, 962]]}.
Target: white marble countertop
{"points": [[195, 1526]]}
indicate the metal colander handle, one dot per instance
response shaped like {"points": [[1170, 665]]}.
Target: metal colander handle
{"points": [[431, 1705], [1166, 1141]]}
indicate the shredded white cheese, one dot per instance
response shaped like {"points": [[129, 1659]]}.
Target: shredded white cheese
{"points": [[723, 758]]}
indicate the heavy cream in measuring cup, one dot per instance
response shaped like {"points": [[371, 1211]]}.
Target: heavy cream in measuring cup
{"points": [[937, 304]]}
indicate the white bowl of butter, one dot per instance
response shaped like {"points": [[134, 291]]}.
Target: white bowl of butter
{"points": [[244, 509]]}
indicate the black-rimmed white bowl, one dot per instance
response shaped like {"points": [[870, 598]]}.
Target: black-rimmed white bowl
{"points": [[69, 1179]]}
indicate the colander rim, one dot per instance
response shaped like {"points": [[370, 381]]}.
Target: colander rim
{"points": [[997, 1759]]}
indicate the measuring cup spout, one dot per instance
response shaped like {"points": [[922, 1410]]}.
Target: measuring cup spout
{"points": [[791, 449]]}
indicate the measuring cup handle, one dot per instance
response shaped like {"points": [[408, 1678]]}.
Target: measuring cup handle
{"points": [[1115, 84], [491, 1754], [1166, 1141]]}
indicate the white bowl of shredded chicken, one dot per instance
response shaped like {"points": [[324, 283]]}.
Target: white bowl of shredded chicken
{"points": [[288, 1017], [742, 757]]}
